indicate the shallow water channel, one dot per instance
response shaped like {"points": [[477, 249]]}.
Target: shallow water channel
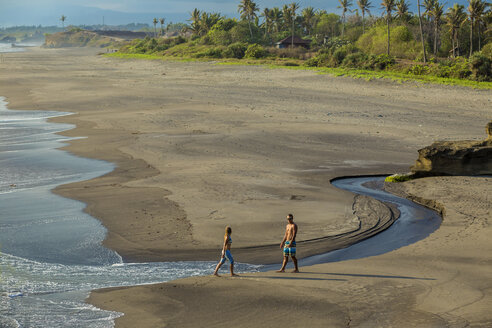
{"points": [[51, 252]]}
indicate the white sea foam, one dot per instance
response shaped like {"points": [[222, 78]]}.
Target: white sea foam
{"points": [[57, 291]]}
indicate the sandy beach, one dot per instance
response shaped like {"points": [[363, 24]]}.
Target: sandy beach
{"points": [[199, 146]]}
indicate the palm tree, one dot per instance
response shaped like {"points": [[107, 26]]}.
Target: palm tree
{"points": [[195, 21], [364, 6], [428, 5], [207, 21], [287, 16], [293, 8], [155, 24], [388, 6], [308, 19], [162, 20], [277, 17], [248, 9], [421, 32], [454, 19], [476, 9], [481, 17], [402, 10], [344, 5], [63, 18], [437, 11], [268, 20]]}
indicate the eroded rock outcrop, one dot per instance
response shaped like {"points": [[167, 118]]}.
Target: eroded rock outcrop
{"points": [[456, 157]]}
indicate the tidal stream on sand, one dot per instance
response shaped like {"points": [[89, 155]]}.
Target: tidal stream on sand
{"points": [[51, 253]]}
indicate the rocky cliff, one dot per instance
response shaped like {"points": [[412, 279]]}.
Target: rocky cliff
{"points": [[456, 158]]}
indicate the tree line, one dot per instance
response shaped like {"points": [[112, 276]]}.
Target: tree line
{"points": [[268, 25]]}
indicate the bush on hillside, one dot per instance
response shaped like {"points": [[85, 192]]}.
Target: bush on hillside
{"points": [[188, 49], [212, 52], [240, 33], [481, 67], [236, 50], [418, 69], [341, 52], [328, 24], [333, 44], [355, 60], [255, 51], [353, 34], [225, 24], [220, 33], [321, 60], [487, 50], [219, 37], [380, 62], [151, 45], [402, 42], [457, 68], [361, 60]]}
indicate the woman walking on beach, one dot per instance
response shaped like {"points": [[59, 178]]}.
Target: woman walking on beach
{"points": [[226, 252]]}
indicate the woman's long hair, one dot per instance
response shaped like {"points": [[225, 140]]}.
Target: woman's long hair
{"points": [[228, 231]]}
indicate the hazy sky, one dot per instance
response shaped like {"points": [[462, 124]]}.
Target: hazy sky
{"points": [[48, 12]]}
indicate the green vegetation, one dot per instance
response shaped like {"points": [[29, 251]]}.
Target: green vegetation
{"points": [[395, 45], [398, 178], [277, 63]]}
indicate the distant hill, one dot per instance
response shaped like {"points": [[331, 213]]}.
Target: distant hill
{"points": [[83, 38]]}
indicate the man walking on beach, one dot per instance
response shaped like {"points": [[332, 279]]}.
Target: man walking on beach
{"points": [[289, 244]]}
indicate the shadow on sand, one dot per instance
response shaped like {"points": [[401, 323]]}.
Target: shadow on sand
{"points": [[300, 276], [367, 275]]}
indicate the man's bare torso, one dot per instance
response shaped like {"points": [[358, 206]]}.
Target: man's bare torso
{"points": [[291, 231]]}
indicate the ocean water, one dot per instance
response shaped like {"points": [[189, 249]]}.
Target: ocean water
{"points": [[7, 47], [19, 47], [51, 253]]}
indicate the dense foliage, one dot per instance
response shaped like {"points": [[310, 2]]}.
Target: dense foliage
{"points": [[452, 42]]}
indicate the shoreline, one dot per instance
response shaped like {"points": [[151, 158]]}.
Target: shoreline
{"points": [[89, 192], [94, 193], [280, 150], [258, 254]]}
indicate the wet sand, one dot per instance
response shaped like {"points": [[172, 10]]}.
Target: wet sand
{"points": [[441, 281], [201, 146]]}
